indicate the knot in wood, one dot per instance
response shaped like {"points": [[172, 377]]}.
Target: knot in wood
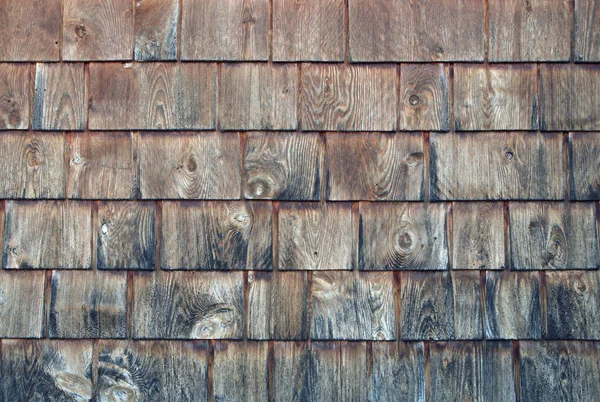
{"points": [[414, 100], [80, 31]]}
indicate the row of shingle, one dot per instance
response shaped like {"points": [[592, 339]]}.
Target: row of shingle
{"points": [[328, 97]]}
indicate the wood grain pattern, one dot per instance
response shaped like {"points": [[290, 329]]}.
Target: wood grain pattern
{"points": [[553, 236], [216, 235], [405, 30], [498, 371], [31, 165], [97, 30], [277, 305], [156, 29], [283, 166], [59, 97], [497, 166], [14, 95], [152, 371], [315, 237], [573, 305], [570, 97], [477, 235], [535, 30], [353, 366], [240, 371], [353, 306], [225, 30], [466, 290], [152, 96], [498, 97], [258, 96], [43, 370], [126, 235], [88, 305], [457, 369], [402, 236], [584, 156], [22, 307], [587, 21], [338, 97], [512, 305], [30, 32], [310, 30], [47, 234], [190, 165], [101, 165], [186, 305], [375, 166]]}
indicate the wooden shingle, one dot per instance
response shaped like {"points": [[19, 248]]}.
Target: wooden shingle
{"points": [[14, 96], [156, 29], [587, 24], [457, 369], [584, 156], [353, 365], [22, 307], [498, 371]]}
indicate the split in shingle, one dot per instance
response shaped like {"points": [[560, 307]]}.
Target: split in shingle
{"points": [[14, 96], [584, 156]]}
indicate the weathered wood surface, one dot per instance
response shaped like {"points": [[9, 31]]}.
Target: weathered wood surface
{"points": [[457, 370], [88, 305], [497, 166], [101, 165], [498, 371], [424, 102], [216, 235], [152, 96], [402, 236], [497, 97], [553, 236], [353, 306], [156, 29], [126, 235], [375, 166], [258, 96], [315, 236], [225, 30], [187, 305], [22, 307], [283, 166], [311, 30], [353, 366], [190, 165], [534, 30], [277, 305], [97, 30], [14, 95], [403, 30], [466, 292], [587, 23], [477, 235], [584, 156]]}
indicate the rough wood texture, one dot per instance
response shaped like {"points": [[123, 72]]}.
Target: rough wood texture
{"points": [[97, 30], [216, 235], [22, 307], [283, 166], [584, 156], [14, 95], [554, 371], [187, 305], [30, 32], [59, 97], [277, 305], [308, 30], [315, 236], [587, 27], [258, 96], [152, 96], [498, 97], [353, 306], [240, 371], [101, 166], [573, 305], [498, 371], [31, 165], [553, 236], [353, 366], [225, 30], [402, 236], [375, 166], [457, 370], [152, 371], [533, 30], [337, 97], [126, 235], [156, 29], [423, 100], [190, 165], [405, 30], [88, 305], [44, 370], [570, 97], [47, 234], [497, 166], [512, 305]]}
